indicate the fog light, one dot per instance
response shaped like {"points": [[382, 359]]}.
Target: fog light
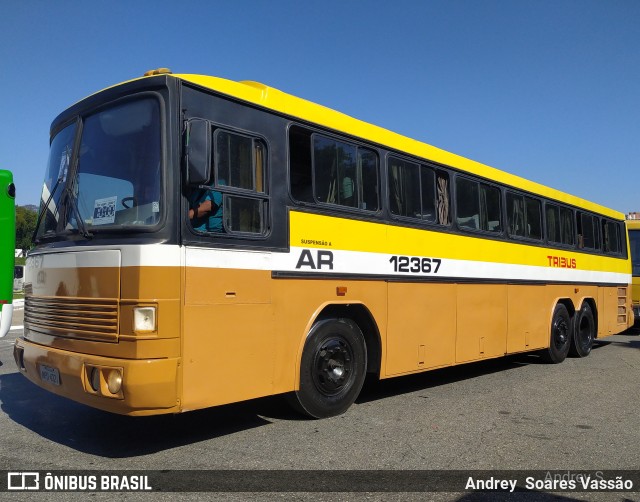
{"points": [[144, 319], [94, 379], [114, 381]]}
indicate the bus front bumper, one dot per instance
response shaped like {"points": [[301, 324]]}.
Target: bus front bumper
{"points": [[123, 386]]}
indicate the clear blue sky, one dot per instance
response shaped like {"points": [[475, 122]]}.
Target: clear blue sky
{"points": [[547, 89]]}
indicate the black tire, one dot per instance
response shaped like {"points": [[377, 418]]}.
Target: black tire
{"points": [[332, 370], [584, 332], [561, 334]]}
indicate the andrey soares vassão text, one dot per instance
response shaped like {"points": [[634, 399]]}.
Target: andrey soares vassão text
{"points": [[560, 482]]}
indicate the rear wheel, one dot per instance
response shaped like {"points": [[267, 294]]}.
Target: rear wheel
{"points": [[584, 332], [332, 370], [560, 335]]}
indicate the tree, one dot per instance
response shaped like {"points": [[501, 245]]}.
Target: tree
{"points": [[25, 226]]}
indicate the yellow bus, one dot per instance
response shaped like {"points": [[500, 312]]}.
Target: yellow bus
{"points": [[633, 227], [202, 242]]}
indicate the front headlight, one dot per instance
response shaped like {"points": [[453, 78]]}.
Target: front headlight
{"points": [[144, 319]]}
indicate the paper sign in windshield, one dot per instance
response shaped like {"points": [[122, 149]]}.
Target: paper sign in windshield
{"points": [[104, 211]]}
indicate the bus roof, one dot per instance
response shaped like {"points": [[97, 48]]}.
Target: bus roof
{"points": [[276, 100]]}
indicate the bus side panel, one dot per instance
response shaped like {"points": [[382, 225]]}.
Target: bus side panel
{"points": [[422, 327], [529, 308], [482, 321], [249, 345], [229, 341]]}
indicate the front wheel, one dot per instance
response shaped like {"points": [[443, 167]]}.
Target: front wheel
{"points": [[584, 333], [561, 330], [332, 369]]}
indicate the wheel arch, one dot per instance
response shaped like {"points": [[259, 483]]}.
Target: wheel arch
{"points": [[568, 303]]}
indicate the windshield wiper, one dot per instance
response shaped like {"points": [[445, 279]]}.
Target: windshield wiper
{"points": [[82, 227], [34, 237]]}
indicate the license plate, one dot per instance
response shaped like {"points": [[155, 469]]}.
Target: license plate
{"points": [[49, 374]]}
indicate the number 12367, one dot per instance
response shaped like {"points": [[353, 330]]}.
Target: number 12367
{"points": [[415, 264]]}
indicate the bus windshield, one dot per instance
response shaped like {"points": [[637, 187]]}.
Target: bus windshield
{"points": [[112, 178]]}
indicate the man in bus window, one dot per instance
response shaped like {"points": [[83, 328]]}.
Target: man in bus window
{"points": [[205, 210]]}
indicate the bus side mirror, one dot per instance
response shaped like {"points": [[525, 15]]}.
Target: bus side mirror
{"points": [[197, 149]]}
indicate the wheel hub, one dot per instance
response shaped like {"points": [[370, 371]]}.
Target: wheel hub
{"points": [[333, 366]]}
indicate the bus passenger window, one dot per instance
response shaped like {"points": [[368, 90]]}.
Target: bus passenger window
{"points": [[533, 228], [588, 233], [560, 225], [428, 190], [477, 206], [344, 174], [467, 204], [524, 216], [368, 171], [515, 215], [490, 208], [553, 223], [334, 167], [404, 188], [566, 226], [611, 237]]}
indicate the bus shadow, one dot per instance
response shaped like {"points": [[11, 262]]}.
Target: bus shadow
{"points": [[105, 434], [374, 389], [630, 344], [633, 331]]}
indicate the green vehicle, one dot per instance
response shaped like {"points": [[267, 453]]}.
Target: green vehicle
{"points": [[7, 248]]}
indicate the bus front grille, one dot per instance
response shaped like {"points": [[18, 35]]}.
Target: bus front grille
{"points": [[84, 318]]}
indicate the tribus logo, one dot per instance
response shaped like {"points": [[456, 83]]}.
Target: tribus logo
{"points": [[562, 262], [23, 481]]}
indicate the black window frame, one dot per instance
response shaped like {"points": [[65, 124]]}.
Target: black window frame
{"points": [[231, 193]]}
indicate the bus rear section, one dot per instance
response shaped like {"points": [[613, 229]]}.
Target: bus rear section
{"points": [[7, 248]]}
